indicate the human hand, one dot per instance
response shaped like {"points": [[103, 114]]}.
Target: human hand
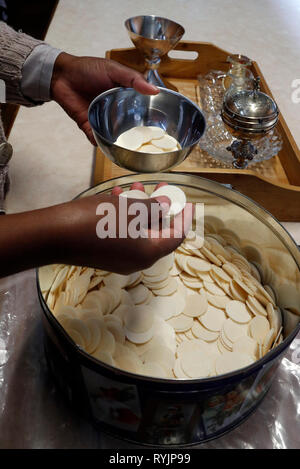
{"points": [[80, 245], [76, 81]]}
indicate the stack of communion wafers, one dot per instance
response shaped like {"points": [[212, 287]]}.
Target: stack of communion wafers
{"points": [[199, 312]]}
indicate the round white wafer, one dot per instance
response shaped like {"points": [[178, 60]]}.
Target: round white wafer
{"points": [[76, 337], [149, 148], [259, 328], [139, 337], [202, 333], [210, 255], [245, 345], [129, 362], [181, 323], [213, 289], [80, 326], [196, 363], [247, 288], [255, 306], [116, 330], [94, 326], [236, 291], [217, 300], [105, 357], [116, 280], [231, 361], [107, 342], [222, 349], [132, 139], [274, 317], [225, 341], [205, 276], [234, 330], [139, 294], [219, 272], [268, 340], [176, 196], [231, 269], [161, 355], [238, 312], [196, 305], [198, 265], [169, 289], [166, 142], [139, 318], [162, 265], [151, 132], [178, 371], [168, 306], [213, 319], [153, 369]]}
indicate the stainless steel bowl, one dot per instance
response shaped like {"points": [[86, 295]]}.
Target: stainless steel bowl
{"points": [[120, 109]]}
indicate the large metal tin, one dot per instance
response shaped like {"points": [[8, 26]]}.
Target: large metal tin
{"points": [[164, 412]]}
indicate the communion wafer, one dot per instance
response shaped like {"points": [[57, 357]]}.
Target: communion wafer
{"points": [[213, 319], [132, 139], [149, 148], [153, 369], [231, 361], [233, 330], [107, 342], [196, 363], [255, 306], [178, 371], [259, 328], [105, 357], [181, 323], [176, 196], [196, 305], [166, 142], [245, 345], [238, 312], [201, 332]]}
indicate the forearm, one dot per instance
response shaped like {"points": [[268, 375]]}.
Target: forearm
{"points": [[29, 240], [14, 49]]}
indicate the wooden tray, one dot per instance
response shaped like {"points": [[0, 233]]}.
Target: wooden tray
{"points": [[275, 183]]}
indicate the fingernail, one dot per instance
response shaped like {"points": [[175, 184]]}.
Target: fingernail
{"points": [[161, 184], [154, 88], [116, 190], [137, 186]]}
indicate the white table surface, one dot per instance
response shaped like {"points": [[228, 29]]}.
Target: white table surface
{"points": [[53, 160]]}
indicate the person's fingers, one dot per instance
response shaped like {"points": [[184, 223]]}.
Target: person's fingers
{"points": [[139, 83], [160, 209], [181, 223], [137, 186], [161, 184], [86, 128], [168, 238], [117, 191], [125, 76]]}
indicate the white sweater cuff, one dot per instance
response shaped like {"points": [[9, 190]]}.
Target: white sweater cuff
{"points": [[37, 73]]}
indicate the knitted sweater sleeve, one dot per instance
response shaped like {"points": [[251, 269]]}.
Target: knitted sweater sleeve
{"points": [[14, 50]]}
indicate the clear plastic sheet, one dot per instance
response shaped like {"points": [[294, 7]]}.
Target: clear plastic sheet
{"points": [[34, 415]]}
